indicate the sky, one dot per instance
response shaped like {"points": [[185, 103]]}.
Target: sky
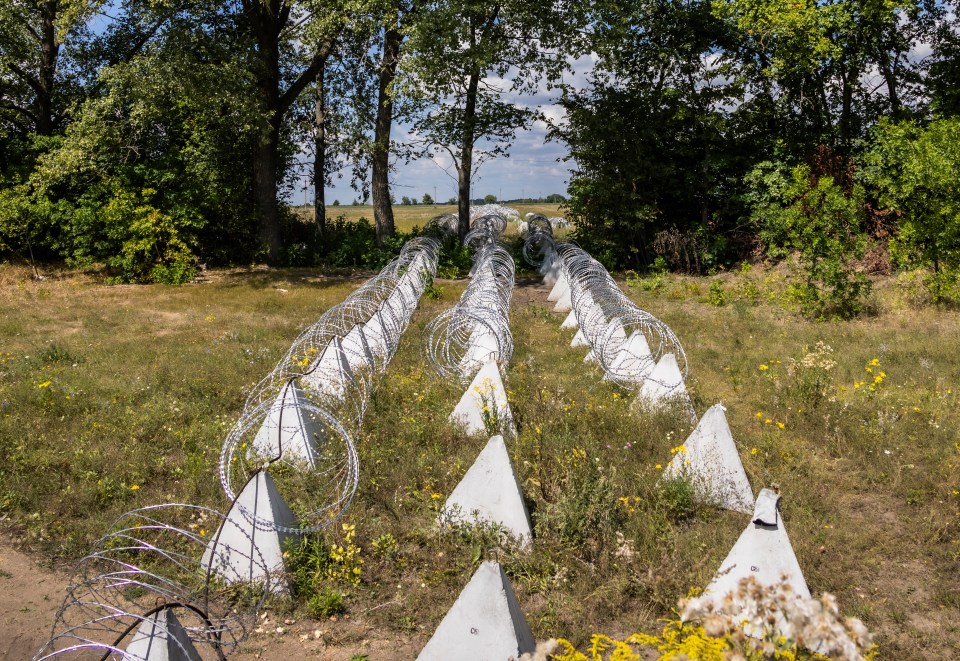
{"points": [[534, 167]]}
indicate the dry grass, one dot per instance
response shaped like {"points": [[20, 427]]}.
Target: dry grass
{"points": [[144, 381]]}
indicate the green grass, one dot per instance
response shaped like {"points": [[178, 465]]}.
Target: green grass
{"points": [[144, 382], [416, 215]]}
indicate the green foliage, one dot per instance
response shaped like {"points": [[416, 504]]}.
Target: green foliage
{"points": [[717, 296], [814, 221], [914, 173], [325, 603]]}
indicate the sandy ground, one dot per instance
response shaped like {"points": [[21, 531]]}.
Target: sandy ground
{"points": [[29, 599], [30, 596]]}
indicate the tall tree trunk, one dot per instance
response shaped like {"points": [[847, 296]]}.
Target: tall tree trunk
{"points": [[466, 155], [265, 189], [890, 78], [49, 50], [267, 19], [320, 153], [265, 163], [382, 207]]}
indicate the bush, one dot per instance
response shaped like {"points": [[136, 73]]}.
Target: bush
{"points": [[815, 222], [914, 174]]}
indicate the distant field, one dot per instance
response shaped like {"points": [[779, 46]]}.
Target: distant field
{"points": [[408, 217]]}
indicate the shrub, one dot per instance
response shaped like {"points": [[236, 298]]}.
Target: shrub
{"points": [[815, 221], [914, 174]]}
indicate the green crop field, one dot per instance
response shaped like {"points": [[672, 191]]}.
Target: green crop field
{"points": [[118, 397]]}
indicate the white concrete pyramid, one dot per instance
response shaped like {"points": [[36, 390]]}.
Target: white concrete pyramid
{"points": [[330, 374], [558, 289], [484, 624], [248, 547], [553, 272], [634, 358], [482, 346], [564, 303], [375, 332], [665, 386], [764, 552], [590, 358], [356, 349], [161, 637], [287, 429], [579, 340], [485, 399], [490, 492], [570, 321], [712, 463]]}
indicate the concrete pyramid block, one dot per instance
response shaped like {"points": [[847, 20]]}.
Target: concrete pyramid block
{"points": [[482, 346], [330, 375], [564, 303], [248, 547], [161, 637], [558, 289], [764, 552], [357, 350], [664, 387], [485, 403], [570, 321], [711, 461], [287, 431], [490, 492], [552, 273], [634, 359], [591, 358], [484, 624], [375, 332], [579, 340]]}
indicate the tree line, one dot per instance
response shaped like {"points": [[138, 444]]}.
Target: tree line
{"points": [[150, 134], [823, 132]]}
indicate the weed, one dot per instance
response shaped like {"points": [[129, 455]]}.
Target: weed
{"points": [[717, 296], [325, 603]]}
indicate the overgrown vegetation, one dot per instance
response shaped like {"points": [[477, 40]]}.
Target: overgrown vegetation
{"points": [[867, 411]]}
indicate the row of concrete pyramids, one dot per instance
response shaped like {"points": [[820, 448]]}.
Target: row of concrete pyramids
{"points": [[248, 546], [486, 615], [487, 619]]}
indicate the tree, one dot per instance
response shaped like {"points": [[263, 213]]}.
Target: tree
{"points": [[814, 218], [914, 172], [291, 41], [32, 37], [490, 198], [466, 58], [677, 171], [427, 199]]}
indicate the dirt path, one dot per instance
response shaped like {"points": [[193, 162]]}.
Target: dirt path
{"points": [[30, 596], [29, 599]]}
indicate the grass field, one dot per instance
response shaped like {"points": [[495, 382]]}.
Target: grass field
{"points": [[416, 215], [119, 397]]}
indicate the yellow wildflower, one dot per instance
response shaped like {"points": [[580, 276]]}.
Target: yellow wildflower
{"points": [[436, 496], [45, 384], [135, 487], [875, 362], [780, 425], [758, 415], [754, 450], [764, 367]]}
